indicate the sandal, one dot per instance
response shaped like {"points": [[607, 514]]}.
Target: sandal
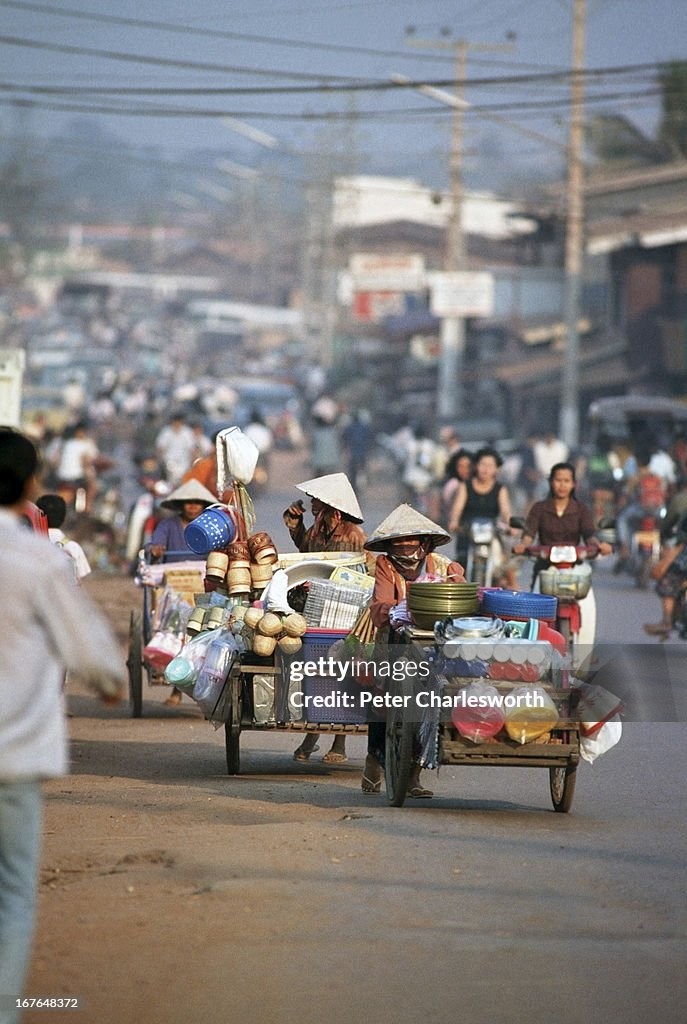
{"points": [[174, 699], [420, 793], [369, 783], [334, 757], [370, 787], [301, 754], [657, 629]]}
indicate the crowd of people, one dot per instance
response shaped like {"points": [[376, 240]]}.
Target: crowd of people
{"points": [[44, 606]]}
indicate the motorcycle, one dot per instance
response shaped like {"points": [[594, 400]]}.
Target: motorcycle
{"points": [[566, 574], [144, 514], [484, 558], [645, 548]]}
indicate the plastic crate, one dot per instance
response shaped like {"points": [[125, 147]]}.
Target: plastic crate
{"points": [[316, 644], [516, 604], [324, 686]]}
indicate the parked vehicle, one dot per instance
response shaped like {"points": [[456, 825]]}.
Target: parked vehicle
{"points": [[629, 417]]}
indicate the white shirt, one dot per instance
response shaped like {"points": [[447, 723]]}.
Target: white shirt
{"points": [[176, 448], [662, 465], [49, 625], [77, 452], [73, 550], [548, 453]]}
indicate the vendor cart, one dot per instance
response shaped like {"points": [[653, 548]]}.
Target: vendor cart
{"points": [[258, 687], [559, 753], [248, 677], [177, 568]]}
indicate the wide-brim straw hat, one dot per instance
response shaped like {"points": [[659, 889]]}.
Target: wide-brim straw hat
{"points": [[406, 521], [335, 490], [192, 490]]}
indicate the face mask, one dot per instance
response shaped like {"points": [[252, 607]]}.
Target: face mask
{"points": [[409, 562]]}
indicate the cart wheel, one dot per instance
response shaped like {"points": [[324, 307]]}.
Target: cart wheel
{"points": [[562, 786], [400, 733], [232, 727], [134, 664]]}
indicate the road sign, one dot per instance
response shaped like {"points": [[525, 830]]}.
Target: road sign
{"points": [[374, 272], [462, 294]]}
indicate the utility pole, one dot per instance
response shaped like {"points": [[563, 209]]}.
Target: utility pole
{"points": [[569, 424], [450, 397], [452, 338]]}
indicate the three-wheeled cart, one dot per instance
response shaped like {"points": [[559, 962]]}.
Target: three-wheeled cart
{"points": [[560, 754], [152, 577]]}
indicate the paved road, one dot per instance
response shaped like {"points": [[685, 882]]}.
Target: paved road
{"points": [[175, 893]]}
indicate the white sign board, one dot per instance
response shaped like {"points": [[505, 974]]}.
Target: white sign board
{"points": [[374, 272], [463, 293]]}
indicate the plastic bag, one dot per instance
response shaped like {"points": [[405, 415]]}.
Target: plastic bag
{"points": [[161, 649], [237, 457], [595, 707], [263, 699], [183, 670], [275, 596], [478, 715], [606, 737], [220, 655], [530, 713]]}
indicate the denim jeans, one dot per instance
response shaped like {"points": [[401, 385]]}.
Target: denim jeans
{"points": [[20, 840]]}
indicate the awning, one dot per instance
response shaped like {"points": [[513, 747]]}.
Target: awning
{"points": [[598, 367]]}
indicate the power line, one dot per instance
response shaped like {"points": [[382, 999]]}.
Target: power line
{"points": [[186, 30], [423, 113], [188, 65], [347, 84]]}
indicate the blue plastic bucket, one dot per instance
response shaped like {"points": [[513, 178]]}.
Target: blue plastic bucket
{"points": [[212, 530]]}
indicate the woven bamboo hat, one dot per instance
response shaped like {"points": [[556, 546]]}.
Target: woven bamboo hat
{"points": [[405, 521], [334, 490], [192, 490]]}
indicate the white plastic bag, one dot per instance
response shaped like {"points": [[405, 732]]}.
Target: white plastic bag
{"points": [[275, 596], [595, 707], [237, 457], [602, 740]]}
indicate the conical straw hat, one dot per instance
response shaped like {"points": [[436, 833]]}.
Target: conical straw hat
{"points": [[334, 490], [192, 490], [405, 521]]}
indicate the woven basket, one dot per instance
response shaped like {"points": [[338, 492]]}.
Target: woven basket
{"points": [[262, 550], [290, 644], [260, 575], [264, 645], [216, 565]]}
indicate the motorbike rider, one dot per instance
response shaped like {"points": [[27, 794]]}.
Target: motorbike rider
{"points": [[563, 519], [644, 494], [671, 576], [483, 496]]}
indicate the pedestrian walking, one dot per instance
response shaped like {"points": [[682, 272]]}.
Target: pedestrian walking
{"points": [[49, 626]]}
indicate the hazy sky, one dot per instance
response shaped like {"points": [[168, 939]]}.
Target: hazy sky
{"points": [[272, 45]]}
